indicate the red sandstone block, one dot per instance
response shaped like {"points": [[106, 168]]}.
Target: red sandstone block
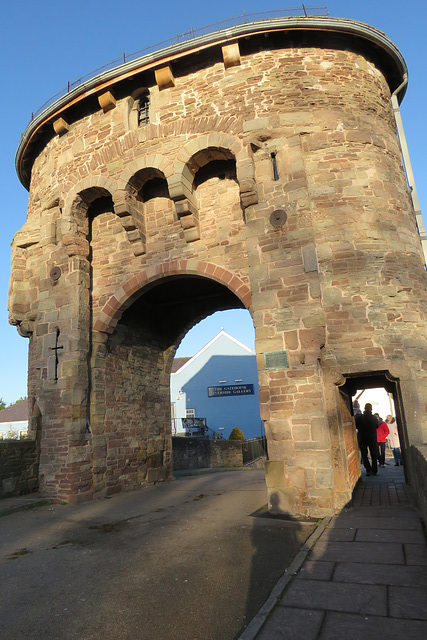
{"points": [[281, 406], [277, 375], [304, 373], [374, 351], [227, 277], [234, 284], [219, 272], [173, 266], [131, 286], [338, 314], [264, 396], [208, 268], [150, 273], [247, 299], [141, 278]]}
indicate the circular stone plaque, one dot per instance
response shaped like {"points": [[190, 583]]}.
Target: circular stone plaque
{"points": [[278, 218], [55, 273]]}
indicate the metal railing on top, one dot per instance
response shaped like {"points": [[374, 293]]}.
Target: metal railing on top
{"points": [[243, 18]]}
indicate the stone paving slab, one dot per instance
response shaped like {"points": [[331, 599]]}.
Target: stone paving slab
{"points": [[416, 554], [340, 535], [408, 602], [339, 626], [286, 622], [384, 522], [380, 512], [331, 596], [384, 535], [391, 553], [317, 570], [386, 574]]}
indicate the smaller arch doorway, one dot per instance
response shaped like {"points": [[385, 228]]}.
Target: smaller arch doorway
{"points": [[136, 425], [355, 383]]}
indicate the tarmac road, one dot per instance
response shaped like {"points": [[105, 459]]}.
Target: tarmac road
{"points": [[189, 559]]}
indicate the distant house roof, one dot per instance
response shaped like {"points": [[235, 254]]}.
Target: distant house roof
{"points": [[18, 412], [178, 363]]}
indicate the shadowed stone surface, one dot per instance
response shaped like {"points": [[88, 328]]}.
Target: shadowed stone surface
{"points": [[329, 596], [387, 574], [340, 534], [387, 522], [408, 602], [292, 623], [416, 554], [317, 570], [338, 626], [395, 535], [359, 552]]}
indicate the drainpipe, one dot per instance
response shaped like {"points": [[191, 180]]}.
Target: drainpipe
{"points": [[408, 167]]}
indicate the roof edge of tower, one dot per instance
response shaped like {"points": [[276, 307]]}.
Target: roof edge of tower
{"points": [[372, 37]]}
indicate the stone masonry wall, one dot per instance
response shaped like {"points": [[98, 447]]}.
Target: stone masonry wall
{"points": [[340, 285], [18, 467], [197, 453]]}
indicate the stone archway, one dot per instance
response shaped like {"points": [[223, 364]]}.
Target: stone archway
{"points": [[130, 399], [125, 295]]}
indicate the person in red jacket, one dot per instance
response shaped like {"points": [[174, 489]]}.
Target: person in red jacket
{"points": [[382, 433]]}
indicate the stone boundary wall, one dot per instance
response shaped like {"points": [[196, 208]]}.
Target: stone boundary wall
{"points": [[18, 467], [197, 453], [417, 459]]}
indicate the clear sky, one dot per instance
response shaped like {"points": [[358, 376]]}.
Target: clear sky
{"points": [[47, 43]]}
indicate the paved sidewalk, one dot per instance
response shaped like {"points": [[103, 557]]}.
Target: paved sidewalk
{"points": [[362, 574]]}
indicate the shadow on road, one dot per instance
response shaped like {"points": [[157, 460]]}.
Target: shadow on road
{"points": [[194, 559]]}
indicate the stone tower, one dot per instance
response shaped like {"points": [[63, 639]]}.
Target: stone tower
{"points": [[257, 167]]}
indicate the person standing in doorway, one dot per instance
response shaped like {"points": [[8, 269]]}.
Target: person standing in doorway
{"points": [[356, 408], [382, 433], [394, 440], [366, 425]]}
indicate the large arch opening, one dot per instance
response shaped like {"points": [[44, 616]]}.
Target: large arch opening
{"points": [[138, 364]]}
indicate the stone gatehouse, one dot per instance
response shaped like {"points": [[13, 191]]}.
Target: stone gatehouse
{"points": [[257, 167]]}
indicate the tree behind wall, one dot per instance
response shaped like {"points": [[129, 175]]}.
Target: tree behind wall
{"points": [[236, 434]]}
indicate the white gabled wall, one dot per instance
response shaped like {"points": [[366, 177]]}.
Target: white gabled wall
{"points": [[223, 361]]}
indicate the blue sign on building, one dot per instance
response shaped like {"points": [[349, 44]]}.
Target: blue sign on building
{"points": [[231, 390]]}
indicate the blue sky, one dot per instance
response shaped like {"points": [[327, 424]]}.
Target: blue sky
{"points": [[43, 45]]}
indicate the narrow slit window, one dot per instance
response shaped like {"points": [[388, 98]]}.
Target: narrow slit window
{"points": [[143, 110], [274, 163]]}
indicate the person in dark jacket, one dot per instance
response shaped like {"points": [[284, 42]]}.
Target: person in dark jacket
{"points": [[366, 425]]}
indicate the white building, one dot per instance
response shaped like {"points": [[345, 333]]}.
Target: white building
{"points": [[219, 383], [14, 420]]}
